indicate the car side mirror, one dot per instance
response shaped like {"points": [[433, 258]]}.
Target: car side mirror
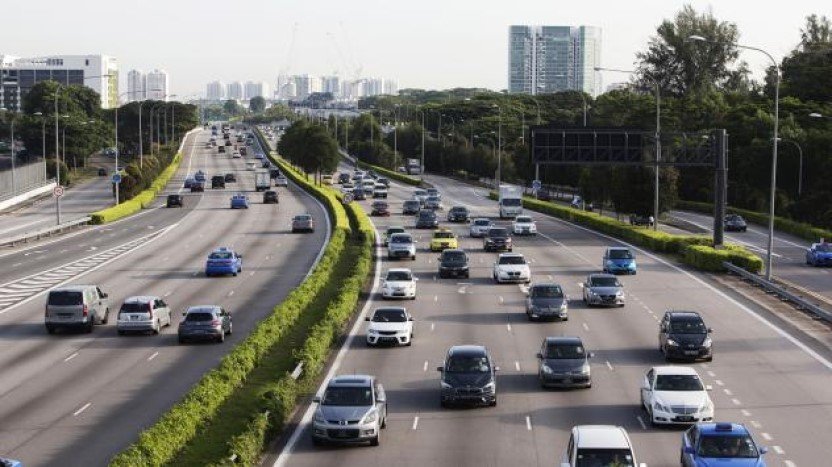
{"points": [[316, 399], [689, 450], [538, 355], [496, 368], [710, 330], [439, 368], [367, 318], [591, 355], [709, 388], [763, 449]]}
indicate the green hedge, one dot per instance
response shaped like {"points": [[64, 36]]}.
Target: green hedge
{"points": [[406, 179], [141, 200], [798, 229], [696, 250]]}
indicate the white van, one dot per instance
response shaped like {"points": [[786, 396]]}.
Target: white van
{"points": [[599, 445], [76, 306]]}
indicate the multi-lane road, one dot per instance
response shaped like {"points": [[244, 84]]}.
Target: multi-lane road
{"points": [[77, 399], [761, 376]]}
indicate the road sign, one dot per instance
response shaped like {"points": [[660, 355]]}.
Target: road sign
{"points": [[536, 185], [116, 178], [58, 191]]}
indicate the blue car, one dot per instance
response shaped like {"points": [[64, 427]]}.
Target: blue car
{"points": [[223, 261], [200, 176], [819, 254], [239, 201], [619, 260], [712, 444], [189, 181]]}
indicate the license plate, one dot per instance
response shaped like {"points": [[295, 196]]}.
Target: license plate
{"points": [[685, 419], [567, 380], [691, 352]]}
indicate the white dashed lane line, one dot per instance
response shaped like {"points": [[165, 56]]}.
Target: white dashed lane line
{"points": [[83, 408]]}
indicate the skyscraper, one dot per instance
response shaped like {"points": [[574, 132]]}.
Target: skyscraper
{"points": [[256, 89], [157, 85], [545, 59], [235, 90], [136, 86], [215, 91], [331, 84]]}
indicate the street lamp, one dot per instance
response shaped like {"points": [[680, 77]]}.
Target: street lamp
{"points": [[658, 140], [775, 143], [43, 137], [499, 144], [141, 136]]}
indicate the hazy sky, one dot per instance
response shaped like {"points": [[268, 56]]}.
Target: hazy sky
{"points": [[427, 44]]}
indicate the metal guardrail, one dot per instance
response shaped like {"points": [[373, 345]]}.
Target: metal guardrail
{"points": [[46, 232], [801, 302]]}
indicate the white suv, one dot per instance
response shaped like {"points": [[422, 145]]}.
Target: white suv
{"points": [[599, 445], [390, 326], [675, 395], [399, 283], [511, 267], [143, 314], [524, 225]]}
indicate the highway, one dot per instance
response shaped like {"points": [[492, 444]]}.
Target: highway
{"points": [[789, 253], [761, 376], [77, 399]]}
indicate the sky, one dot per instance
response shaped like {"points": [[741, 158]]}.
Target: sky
{"points": [[431, 44]]}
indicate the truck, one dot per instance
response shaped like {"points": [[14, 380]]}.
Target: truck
{"points": [[414, 167], [511, 201], [262, 180]]}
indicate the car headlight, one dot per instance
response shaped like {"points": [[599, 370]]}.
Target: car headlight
{"points": [[546, 369], [445, 385], [489, 387], [585, 368], [372, 332], [371, 417], [672, 343], [707, 342], [662, 408], [563, 306], [593, 293], [610, 263], [619, 294], [319, 416]]}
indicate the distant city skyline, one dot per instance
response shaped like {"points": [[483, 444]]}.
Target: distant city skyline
{"points": [[464, 46]]}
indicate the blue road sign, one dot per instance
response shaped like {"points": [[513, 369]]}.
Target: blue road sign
{"points": [[536, 185], [116, 178]]}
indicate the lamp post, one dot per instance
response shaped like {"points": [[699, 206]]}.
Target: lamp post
{"points": [[43, 137], [141, 136], [499, 144], [775, 143], [658, 140]]}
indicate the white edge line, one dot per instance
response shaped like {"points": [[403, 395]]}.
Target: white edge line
{"points": [[528, 423], [85, 407], [641, 422], [155, 354], [415, 422]]}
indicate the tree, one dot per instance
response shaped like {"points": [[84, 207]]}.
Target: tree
{"points": [[807, 69], [231, 107], [681, 66], [257, 104]]}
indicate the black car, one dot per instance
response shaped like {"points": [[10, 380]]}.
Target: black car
{"points": [[174, 201], [411, 207], [358, 194], [230, 177], [735, 223], [453, 263], [383, 181], [427, 219], [458, 214], [468, 377], [274, 172], [197, 186], [343, 178], [220, 148], [265, 164], [102, 172], [497, 239], [641, 219], [217, 181], [270, 197], [380, 208], [684, 336], [563, 362]]}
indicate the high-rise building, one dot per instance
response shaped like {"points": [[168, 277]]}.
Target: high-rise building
{"points": [[545, 59], [235, 90], [157, 85], [215, 91], [331, 84], [19, 75], [256, 89], [136, 86], [391, 87]]}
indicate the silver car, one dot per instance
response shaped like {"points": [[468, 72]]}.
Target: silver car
{"points": [[401, 245], [353, 409], [479, 227], [143, 314], [76, 306], [603, 290]]}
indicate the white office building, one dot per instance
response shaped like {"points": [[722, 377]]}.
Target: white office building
{"points": [[331, 84], [136, 86], [158, 87], [256, 89], [215, 91], [19, 75], [234, 91], [391, 87]]}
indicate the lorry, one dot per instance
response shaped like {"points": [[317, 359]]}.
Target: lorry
{"points": [[262, 180], [414, 167], [511, 201]]}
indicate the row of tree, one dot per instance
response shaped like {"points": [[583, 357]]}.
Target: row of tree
{"points": [[310, 147]]}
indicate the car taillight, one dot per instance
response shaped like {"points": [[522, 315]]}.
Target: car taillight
{"points": [[150, 311], [86, 310], [216, 322]]}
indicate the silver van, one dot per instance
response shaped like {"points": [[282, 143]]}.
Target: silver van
{"points": [[142, 314], [76, 306]]}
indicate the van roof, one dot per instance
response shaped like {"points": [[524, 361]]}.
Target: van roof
{"points": [[72, 288]]}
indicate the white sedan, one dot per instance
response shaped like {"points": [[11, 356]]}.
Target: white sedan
{"points": [[399, 283], [524, 225], [390, 326], [281, 181], [676, 395], [511, 267]]}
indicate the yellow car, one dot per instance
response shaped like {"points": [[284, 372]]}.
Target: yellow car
{"points": [[327, 179], [443, 239]]}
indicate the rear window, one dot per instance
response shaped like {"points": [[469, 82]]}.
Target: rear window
{"points": [[620, 254], [302, 218], [498, 232], [512, 260], [221, 255], [65, 298], [482, 222], [199, 316], [135, 307], [443, 235]]}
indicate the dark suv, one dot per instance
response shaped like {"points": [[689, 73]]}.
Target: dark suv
{"points": [[411, 207], [497, 239], [458, 214], [217, 181], [174, 200], [684, 336], [453, 263], [427, 219], [563, 362], [468, 377]]}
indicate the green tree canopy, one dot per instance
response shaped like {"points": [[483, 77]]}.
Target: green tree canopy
{"points": [[257, 104]]}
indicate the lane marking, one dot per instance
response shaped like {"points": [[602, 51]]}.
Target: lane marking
{"points": [[425, 366], [585, 326], [508, 326], [711, 374], [436, 298], [415, 422], [155, 354], [230, 293], [745, 413], [736, 402], [528, 423], [71, 357], [789, 463], [85, 407], [517, 365], [756, 424], [719, 383], [641, 422], [432, 325], [766, 436], [728, 392], [609, 365], [778, 450], [500, 299]]}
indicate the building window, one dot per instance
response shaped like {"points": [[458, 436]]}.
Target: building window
{"points": [[87, 62]]}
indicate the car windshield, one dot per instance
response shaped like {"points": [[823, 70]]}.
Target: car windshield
{"points": [[302, 218], [398, 276], [604, 282], [411, 203], [688, 326], [443, 235], [453, 256], [824, 247], [565, 351], [433, 199], [467, 364], [427, 215], [348, 396], [498, 232], [512, 260], [620, 254], [546, 291], [523, 219], [458, 210], [65, 298], [401, 239], [603, 458], [678, 383], [420, 193], [513, 202], [394, 230], [199, 316], [379, 205], [221, 255], [389, 315], [727, 446], [482, 222], [433, 191], [135, 307]]}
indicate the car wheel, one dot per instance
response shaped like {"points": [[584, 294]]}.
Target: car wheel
{"points": [[710, 359], [120, 333], [234, 274], [158, 327], [413, 258], [106, 316], [221, 338], [89, 327], [50, 330], [375, 441], [317, 441], [181, 340], [493, 403], [230, 328], [443, 404], [529, 316]]}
